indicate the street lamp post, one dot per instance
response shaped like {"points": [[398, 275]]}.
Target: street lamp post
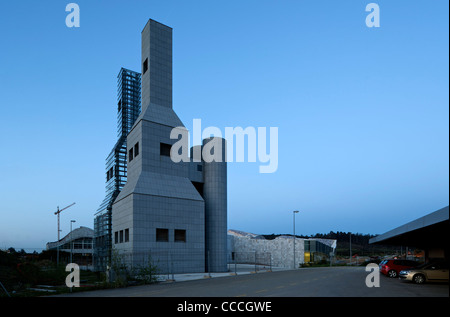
{"points": [[71, 240], [294, 212], [350, 248]]}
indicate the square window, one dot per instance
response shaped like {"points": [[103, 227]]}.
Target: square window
{"points": [[199, 168], [165, 149], [162, 235], [180, 235]]}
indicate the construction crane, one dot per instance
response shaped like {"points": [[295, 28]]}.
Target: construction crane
{"points": [[57, 212]]}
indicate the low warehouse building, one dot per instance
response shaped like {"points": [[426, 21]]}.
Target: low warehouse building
{"points": [[429, 233]]}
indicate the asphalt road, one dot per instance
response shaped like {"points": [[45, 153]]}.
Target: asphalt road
{"points": [[305, 282]]}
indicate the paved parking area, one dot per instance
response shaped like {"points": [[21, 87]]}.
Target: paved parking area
{"points": [[305, 282]]}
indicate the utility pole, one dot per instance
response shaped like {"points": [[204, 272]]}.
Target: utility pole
{"points": [[71, 240], [57, 212], [294, 212], [350, 248]]}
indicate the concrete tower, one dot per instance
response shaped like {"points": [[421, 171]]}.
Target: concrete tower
{"points": [[160, 212], [215, 195]]}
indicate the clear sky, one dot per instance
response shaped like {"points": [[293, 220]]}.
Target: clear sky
{"points": [[362, 113]]}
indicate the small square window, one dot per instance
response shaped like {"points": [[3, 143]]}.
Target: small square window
{"points": [[162, 235], [165, 149], [145, 66], [199, 168], [121, 236], [127, 235], [180, 235], [116, 237]]}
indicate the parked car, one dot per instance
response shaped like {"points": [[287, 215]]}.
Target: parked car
{"points": [[427, 272], [392, 267]]}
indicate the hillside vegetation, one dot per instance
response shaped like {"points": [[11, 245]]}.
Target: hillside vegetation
{"points": [[359, 243]]}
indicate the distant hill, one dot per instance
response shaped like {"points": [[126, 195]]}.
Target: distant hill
{"points": [[360, 243]]}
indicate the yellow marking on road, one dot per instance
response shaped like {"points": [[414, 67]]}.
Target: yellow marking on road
{"points": [[261, 291], [281, 286], [242, 295]]}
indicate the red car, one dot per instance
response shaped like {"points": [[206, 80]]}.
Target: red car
{"points": [[391, 268]]}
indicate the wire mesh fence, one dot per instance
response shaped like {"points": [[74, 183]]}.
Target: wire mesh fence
{"points": [[259, 260], [166, 262]]}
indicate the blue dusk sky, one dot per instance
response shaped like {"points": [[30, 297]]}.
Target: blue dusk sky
{"points": [[362, 113]]}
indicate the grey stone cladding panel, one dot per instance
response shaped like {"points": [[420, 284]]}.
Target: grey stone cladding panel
{"points": [[122, 218], [158, 212]]}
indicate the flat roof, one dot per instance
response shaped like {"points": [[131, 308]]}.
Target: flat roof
{"points": [[434, 218]]}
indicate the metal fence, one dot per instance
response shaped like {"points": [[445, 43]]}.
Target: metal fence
{"points": [[167, 262], [170, 262], [259, 260]]}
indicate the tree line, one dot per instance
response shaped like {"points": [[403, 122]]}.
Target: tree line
{"points": [[340, 236], [359, 242]]}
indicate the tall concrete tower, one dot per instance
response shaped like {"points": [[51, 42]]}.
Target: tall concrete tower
{"points": [[160, 212], [215, 195]]}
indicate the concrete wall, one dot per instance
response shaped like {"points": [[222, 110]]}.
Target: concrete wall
{"points": [[281, 250]]}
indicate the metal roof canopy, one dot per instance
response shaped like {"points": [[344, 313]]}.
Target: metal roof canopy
{"points": [[431, 229]]}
